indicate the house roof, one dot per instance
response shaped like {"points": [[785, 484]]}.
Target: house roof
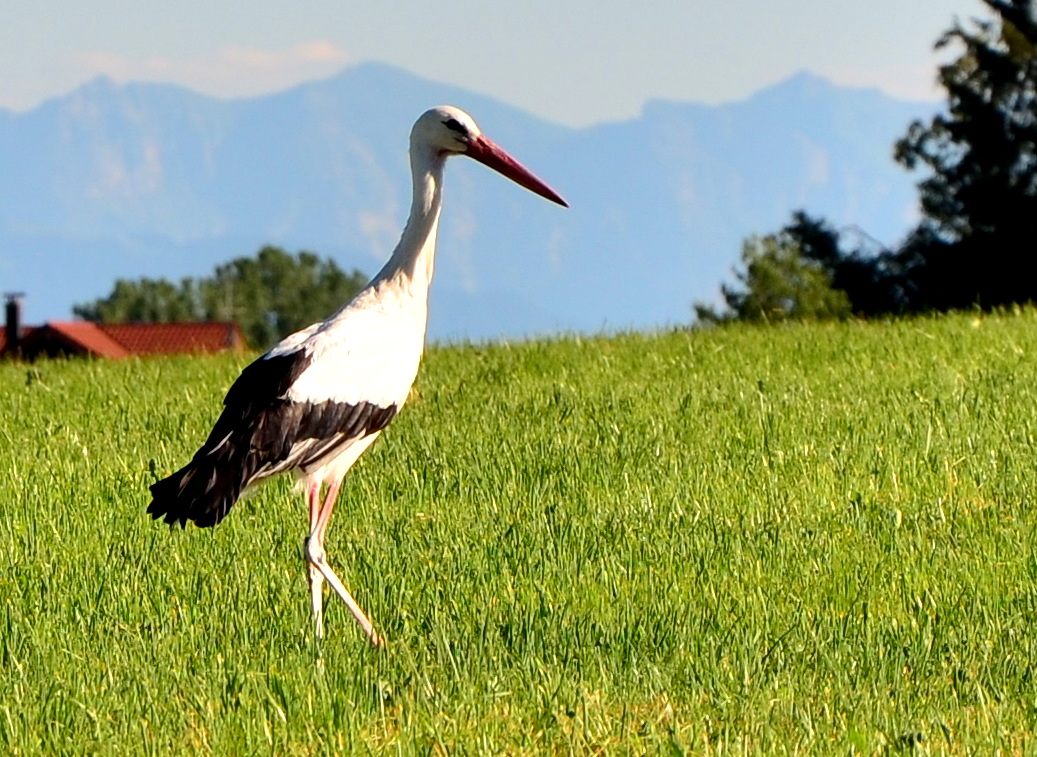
{"points": [[168, 338], [118, 340], [90, 337], [3, 336]]}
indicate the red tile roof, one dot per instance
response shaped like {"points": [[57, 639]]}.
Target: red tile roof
{"points": [[169, 338], [118, 340], [89, 337]]}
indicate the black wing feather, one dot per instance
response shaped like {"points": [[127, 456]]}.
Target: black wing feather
{"points": [[256, 436]]}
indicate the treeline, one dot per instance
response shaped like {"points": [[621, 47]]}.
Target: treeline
{"points": [[269, 295], [976, 242]]}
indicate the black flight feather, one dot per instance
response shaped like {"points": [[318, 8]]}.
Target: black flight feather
{"points": [[260, 433]]}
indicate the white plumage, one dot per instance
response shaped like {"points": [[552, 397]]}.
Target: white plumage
{"points": [[319, 398]]}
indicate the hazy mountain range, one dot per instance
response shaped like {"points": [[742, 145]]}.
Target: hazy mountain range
{"points": [[154, 180]]}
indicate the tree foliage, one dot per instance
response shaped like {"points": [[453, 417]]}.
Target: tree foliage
{"points": [[868, 273], [975, 244], [778, 283], [143, 301], [269, 295]]}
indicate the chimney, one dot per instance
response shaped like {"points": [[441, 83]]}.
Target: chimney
{"points": [[13, 322]]}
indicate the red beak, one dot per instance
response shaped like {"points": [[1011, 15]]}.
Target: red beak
{"points": [[489, 154]]}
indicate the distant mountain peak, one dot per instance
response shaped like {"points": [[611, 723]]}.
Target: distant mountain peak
{"points": [[805, 79], [801, 86], [805, 86], [100, 86]]}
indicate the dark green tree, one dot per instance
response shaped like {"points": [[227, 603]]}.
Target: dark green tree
{"points": [[274, 293], [805, 271], [269, 295], [869, 275], [976, 242], [778, 282], [143, 301]]}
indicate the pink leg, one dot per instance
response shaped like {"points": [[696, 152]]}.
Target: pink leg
{"points": [[317, 557], [316, 579]]}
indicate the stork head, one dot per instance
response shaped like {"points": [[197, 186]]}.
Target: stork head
{"points": [[450, 131]]}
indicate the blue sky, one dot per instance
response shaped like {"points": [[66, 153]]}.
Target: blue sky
{"points": [[573, 62]]}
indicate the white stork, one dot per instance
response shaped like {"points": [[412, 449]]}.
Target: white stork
{"points": [[322, 395]]}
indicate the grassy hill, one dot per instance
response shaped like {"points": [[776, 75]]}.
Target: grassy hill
{"points": [[809, 539]]}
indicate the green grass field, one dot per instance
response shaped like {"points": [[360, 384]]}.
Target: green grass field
{"points": [[802, 540]]}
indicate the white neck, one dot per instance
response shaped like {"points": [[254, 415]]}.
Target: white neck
{"points": [[411, 264]]}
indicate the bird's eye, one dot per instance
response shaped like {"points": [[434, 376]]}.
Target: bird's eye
{"points": [[454, 125]]}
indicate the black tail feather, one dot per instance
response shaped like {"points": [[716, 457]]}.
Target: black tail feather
{"points": [[203, 491]]}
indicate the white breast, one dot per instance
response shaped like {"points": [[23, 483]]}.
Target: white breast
{"points": [[367, 352]]}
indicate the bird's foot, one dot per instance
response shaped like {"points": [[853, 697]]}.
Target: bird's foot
{"points": [[378, 642]]}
